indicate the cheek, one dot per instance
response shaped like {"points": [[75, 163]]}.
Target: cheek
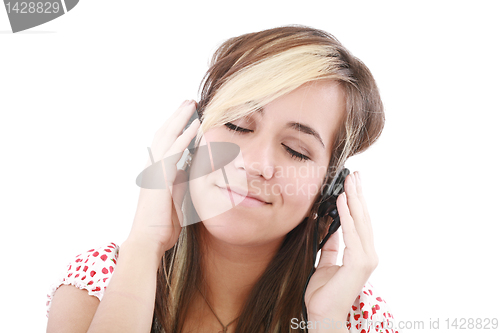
{"points": [[208, 199], [300, 188], [298, 196], [205, 200], [301, 191]]}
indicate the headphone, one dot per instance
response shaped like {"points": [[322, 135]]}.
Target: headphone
{"points": [[328, 207]]}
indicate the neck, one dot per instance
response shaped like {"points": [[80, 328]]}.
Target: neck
{"points": [[230, 272]]}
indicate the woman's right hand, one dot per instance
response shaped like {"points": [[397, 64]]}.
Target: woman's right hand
{"points": [[157, 222]]}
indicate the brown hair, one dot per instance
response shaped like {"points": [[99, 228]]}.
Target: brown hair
{"points": [[276, 298]]}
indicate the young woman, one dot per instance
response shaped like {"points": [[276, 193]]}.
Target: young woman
{"points": [[298, 105]]}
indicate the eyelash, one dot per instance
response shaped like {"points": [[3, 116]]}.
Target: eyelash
{"points": [[290, 151]]}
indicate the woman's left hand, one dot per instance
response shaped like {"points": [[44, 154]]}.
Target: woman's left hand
{"points": [[333, 289]]}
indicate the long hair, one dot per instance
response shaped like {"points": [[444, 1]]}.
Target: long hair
{"points": [[245, 74]]}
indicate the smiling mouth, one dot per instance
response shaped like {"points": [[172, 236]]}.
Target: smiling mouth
{"points": [[245, 200]]}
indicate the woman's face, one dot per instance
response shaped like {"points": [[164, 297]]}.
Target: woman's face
{"points": [[280, 162]]}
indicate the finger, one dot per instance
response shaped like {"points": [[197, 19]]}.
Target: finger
{"points": [[358, 213], [186, 103], [361, 198], [175, 127], [174, 154], [182, 142], [351, 237], [355, 207], [165, 137], [170, 130], [179, 109], [330, 251], [174, 115]]}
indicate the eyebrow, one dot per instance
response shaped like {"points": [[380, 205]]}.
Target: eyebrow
{"points": [[301, 128]]}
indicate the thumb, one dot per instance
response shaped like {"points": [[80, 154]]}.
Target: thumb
{"points": [[178, 192], [330, 251]]}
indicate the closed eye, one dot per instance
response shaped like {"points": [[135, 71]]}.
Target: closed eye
{"points": [[291, 152], [237, 128]]}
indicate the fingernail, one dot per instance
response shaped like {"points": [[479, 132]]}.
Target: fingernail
{"points": [[359, 178]]}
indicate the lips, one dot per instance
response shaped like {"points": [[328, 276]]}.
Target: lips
{"points": [[241, 192]]}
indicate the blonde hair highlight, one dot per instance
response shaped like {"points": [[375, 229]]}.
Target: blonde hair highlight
{"points": [[251, 89]]}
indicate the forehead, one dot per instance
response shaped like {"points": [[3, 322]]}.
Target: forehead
{"points": [[318, 104]]}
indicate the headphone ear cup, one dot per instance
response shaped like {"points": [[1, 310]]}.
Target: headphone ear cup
{"points": [[326, 207], [335, 224], [329, 205]]}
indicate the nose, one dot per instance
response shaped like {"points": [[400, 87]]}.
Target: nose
{"points": [[258, 158]]}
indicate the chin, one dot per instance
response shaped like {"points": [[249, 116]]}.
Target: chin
{"points": [[231, 229]]}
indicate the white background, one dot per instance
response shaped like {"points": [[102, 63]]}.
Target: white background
{"points": [[82, 96]]}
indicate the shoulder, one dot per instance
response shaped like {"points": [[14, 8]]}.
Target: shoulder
{"points": [[370, 313], [90, 270]]}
